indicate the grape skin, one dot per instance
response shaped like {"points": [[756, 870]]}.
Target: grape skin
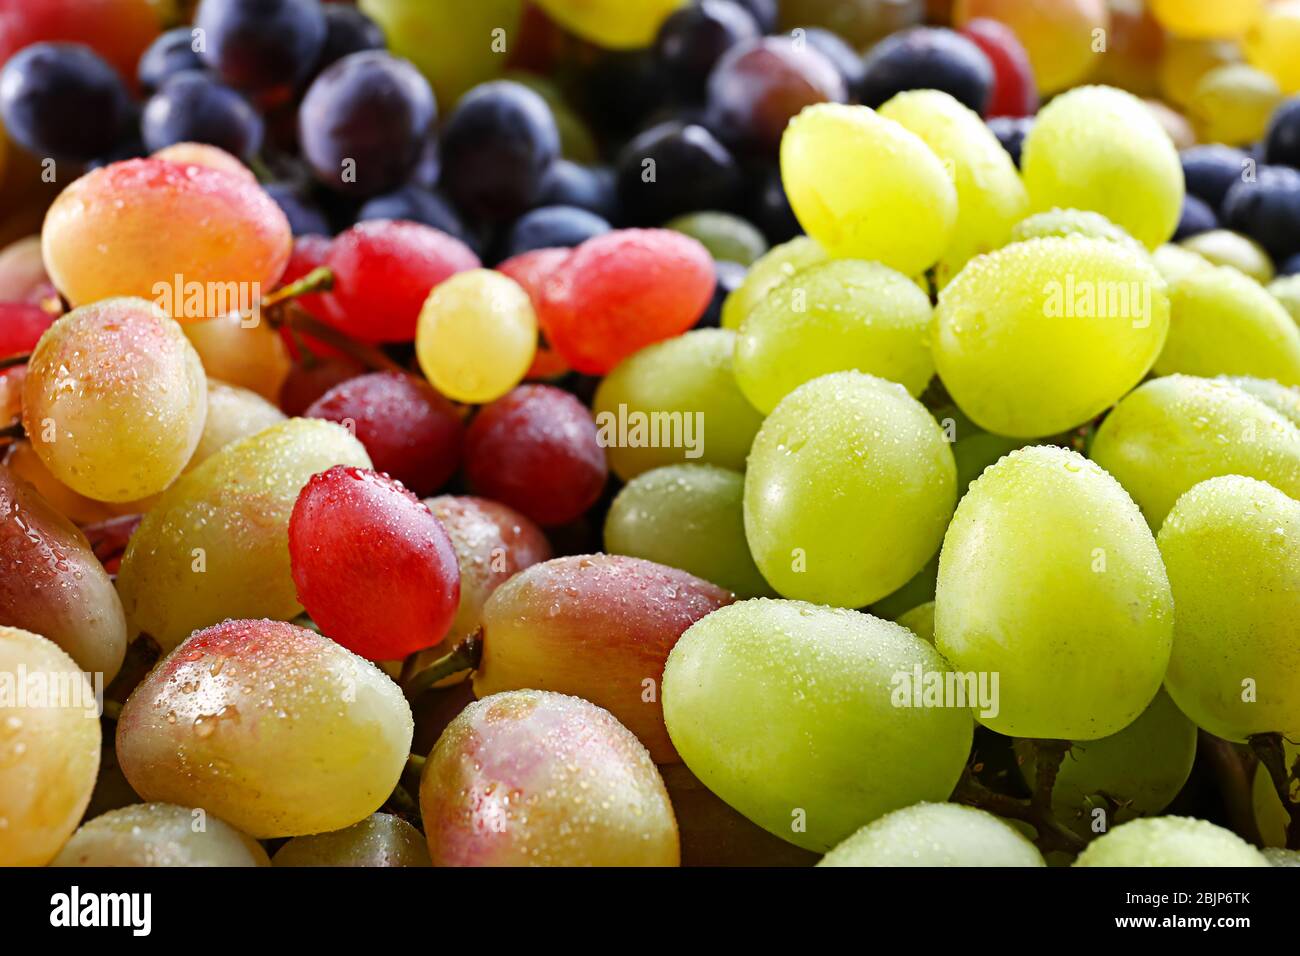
{"points": [[381, 839], [935, 834], [768, 272], [1170, 841], [233, 413], [159, 834]]}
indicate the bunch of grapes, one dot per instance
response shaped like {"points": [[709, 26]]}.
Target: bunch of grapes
{"points": [[650, 432]]}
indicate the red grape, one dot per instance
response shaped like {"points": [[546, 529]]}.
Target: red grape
{"points": [[1015, 93], [409, 430], [22, 273], [383, 272], [309, 252], [622, 291], [373, 567], [536, 450], [118, 30], [310, 379], [532, 270], [21, 327]]}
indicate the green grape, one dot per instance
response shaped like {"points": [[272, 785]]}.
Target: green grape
{"points": [[867, 188], [233, 413], [49, 750], [1050, 578], [1174, 262], [1283, 399], [1042, 335], [920, 621], [840, 315], [615, 24], [973, 448], [990, 194], [1270, 816], [453, 44], [1221, 247], [767, 272], [159, 834], [1096, 147], [114, 399], [676, 401], [1132, 773], [860, 22], [1222, 322], [1279, 857], [1287, 291], [381, 839], [918, 589], [849, 489], [689, 517], [1170, 841], [1174, 432], [1232, 104], [936, 834], [1232, 548], [820, 688], [276, 729], [727, 237], [1072, 222], [216, 543]]}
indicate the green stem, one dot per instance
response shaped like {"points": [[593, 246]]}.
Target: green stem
{"points": [[463, 657]]}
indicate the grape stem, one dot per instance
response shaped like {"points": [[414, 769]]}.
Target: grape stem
{"points": [[463, 657], [290, 314], [1037, 810], [10, 361], [12, 432], [1272, 754]]}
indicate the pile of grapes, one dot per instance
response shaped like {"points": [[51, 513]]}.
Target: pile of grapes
{"points": [[944, 355]]}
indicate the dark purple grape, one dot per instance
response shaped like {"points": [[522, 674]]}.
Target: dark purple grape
{"points": [[364, 123], [190, 108], [675, 168], [694, 38], [347, 31], [552, 227], [1289, 266], [304, 218], [64, 101], [261, 44], [1196, 217], [1267, 209], [415, 204], [497, 147], [769, 209], [764, 12], [1210, 171], [835, 49], [593, 188], [620, 90], [730, 275], [172, 53], [1011, 132], [931, 58], [1282, 141]]}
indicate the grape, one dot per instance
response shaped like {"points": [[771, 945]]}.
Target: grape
{"points": [[613, 24], [935, 834], [930, 58], [63, 100], [130, 228], [1014, 92], [310, 252], [1282, 138], [114, 400], [990, 195], [409, 430], [674, 168], [536, 450], [364, 122], [532, 270], [693, 38], [274, 728], [1232, 546], [920, 621], [1283, 399], [191, 108], [312, 378], [553, 227], [766, 273], [493, 543], [759, 85], [1232, 104], [676, 402], [118, 30], [381, 839], [233, 413], [1271, 817], [1207, 18], [540, 779], [844, 314], [587, 187], [1266, 208], [1135, 772], [260, 44], [846, 60], [1210, 171], [833, 758], [21, 327], [728, 238], [347, 31], [1185, 61], [204, 154], [305, 218], [477, 336], [215, 545], [1174, 262], [159, 834], [50, 751], [1222, 247], [860, 22], [865, 187], [622, 291], [1041, 336], [973, 448], [1046, 537], [50, 579], [249, 356], [417, 204], [849, 488], [383, 273], [1175, 432], [1072, 222], [1279, 857], [22, 273], [1058, 36], [1099, 148], [689, 517], [23, 461], [171, 53], [1270, 44], [1222, 322], [729, 277], [1170, 841]]}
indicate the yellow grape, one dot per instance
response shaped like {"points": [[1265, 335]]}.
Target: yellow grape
{"points": [[1173, 261], [252, 357], [1072, 222], [159, 834], [768, 271], [865, 187], [936, 834], [1272, 42], [1185, 61], [1223, 247], [477, 336], [1170, 841], [216, 543], [617, 24], [23, 461], [49, 750], [204, 154], [1207, 18], [1287, 291], [233, 413], [1060, 36], [920, 621], [381, 839], [114, 400], [1283, 399], [1232, 104]]}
